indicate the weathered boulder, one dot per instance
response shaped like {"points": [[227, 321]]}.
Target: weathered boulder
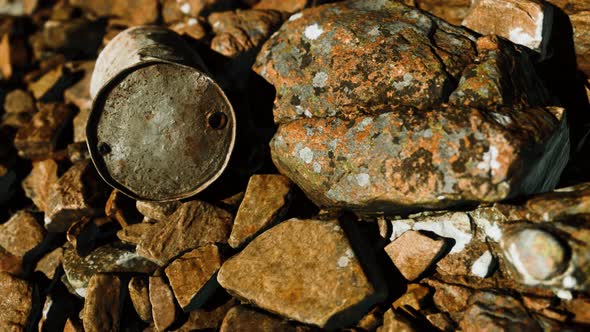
{"points": [[382, 107]]}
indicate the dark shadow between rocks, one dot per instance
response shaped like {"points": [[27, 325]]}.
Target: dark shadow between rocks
{"points": [[366, 256]]}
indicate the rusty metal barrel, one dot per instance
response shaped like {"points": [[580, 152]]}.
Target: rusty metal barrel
{"points": [[160, 129]]}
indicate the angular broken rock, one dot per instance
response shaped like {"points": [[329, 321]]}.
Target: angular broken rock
{"points": [[103, 304], [79, 122], [10, 263], [305, 270], [162, 300], [210, 318], [244, 319], [243, 30], [105, 259], [194, 224], [290, 6], [21, 233], [132, 12], [452, 11], [50, 86], [50, 262], [173, 11], [495, 312], [354, 134], [79, 93], [122, 208], [265, 202], [413, 253], [157, 210], [13, 55], [16, 303], [132, 234], [19, 101], [38, 184], [394, 322], [414, 297], [193, 276], [523, 22], [139, 294], [78, 193], [37, 140]]}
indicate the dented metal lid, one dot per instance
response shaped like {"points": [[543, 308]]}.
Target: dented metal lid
{"points": [[160, 129]]}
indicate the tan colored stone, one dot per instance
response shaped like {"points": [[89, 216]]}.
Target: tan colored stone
{"points": [[372, 320], [414, 297], [174, 11], [103, 304], [265, 202], [580, 308], [192, 276], [452, 11], [157, 210], [79, 122], [191, 27], [452, 299], [520, 21], [51, 85], [245, 319], [194, 224], [441, 321], [207, 319], [37, 185], [394, 322], [21, 233], [308, 271], [73, 325], [19, 101], [16, 303], [413, 253], [78, 152], [140, 297], [79, 93], [50, 262], [10, 263], [122, 208], [78, 193], [132, 234], [162, 301], [289, 6], [13, 54], [237, 32], [495, 312], [133, 12], [37, 139]]}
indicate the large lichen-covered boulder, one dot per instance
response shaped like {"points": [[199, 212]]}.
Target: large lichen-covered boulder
{"points": [[384, 107]]}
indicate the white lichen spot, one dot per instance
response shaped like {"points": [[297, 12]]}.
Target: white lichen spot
{"points": [[299, 110], [349, 253], [406, 81], [502, 119], [398, 227], [307, 113], [320, 79], [306, 155], [317, 167], [374, 32], [570, 282], [47, 307], [343, 261], [482, 266], [446, 228], [363, 124], [81, 291], [564, 295], [337, 228], [192, 21], [333, 144], [295, 16], [185, 8], [363, 179], [126, 258], [313, 31], [47, 220], [490, 160]]}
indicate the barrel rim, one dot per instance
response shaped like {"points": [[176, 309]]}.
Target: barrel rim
{"points": [[92, 139]]}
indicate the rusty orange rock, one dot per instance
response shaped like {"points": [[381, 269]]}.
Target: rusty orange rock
{"points": [[382, 107]]}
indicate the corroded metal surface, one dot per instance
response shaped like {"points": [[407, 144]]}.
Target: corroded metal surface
{"points": [[160, 128]]}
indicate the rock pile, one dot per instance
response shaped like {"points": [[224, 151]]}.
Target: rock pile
{"points": [[395, 169]]}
